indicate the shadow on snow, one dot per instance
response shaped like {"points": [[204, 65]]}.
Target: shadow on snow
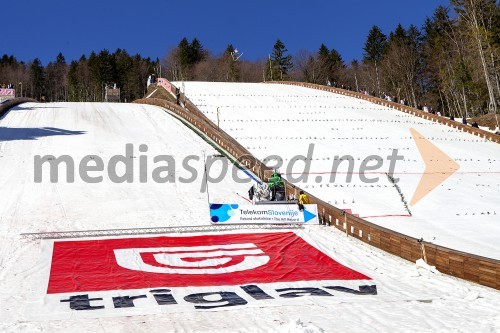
{"points": [[20, 133]]}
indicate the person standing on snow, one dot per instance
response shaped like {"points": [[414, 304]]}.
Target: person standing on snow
{"points": [[303, 200], [251, 193]]}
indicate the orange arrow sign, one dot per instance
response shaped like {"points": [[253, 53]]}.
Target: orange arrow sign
{"points": [[438, 167]]}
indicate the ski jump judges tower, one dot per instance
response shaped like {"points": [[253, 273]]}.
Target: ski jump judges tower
{"points": [[112, 94]]}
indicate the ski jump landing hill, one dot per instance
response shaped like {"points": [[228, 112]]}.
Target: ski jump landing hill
{"points": [[141, 256], [455, 228]]}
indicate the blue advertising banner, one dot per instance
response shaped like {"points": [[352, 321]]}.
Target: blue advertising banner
{"points": [[265, 214]]}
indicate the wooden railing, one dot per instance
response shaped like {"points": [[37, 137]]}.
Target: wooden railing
{"points": [[6, 106]]}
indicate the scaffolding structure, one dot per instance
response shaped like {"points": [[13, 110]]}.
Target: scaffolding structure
{"points": [[157, 230]]}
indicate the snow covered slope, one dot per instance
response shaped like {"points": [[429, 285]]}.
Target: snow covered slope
{"points": [[462, 213], [410, 298], [102, 130]]}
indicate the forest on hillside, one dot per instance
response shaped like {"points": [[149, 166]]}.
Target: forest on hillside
{"points": [[451, 64], [82, 80]]}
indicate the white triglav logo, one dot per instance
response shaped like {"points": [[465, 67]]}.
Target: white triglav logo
{"points": [[215, 259]]}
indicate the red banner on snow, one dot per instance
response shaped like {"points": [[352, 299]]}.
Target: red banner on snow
{"points": [[209, 260]]}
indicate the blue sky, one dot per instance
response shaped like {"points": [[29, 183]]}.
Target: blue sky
{"points": [[43, 28]]}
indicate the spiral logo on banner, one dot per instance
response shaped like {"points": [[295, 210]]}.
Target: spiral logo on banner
{"points": [[222, 212], [214, 259]]}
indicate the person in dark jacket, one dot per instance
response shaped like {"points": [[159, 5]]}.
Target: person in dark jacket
{"points": [[251, 193]]}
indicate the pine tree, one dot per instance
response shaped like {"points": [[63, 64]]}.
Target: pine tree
{"points": [[375, 48], [281, 63], [73, 81], [183, 58], [337, 64], [398, 37], [124, 67], [323, 51], [325, 65], [329, 63], [187, 56], [375, 45], [61, 78], [231, 67], [102, 69], [37, 79], [196, 52]]}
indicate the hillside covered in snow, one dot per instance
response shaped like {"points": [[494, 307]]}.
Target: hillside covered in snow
{"points": [[279, 120], [313, 279]]}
